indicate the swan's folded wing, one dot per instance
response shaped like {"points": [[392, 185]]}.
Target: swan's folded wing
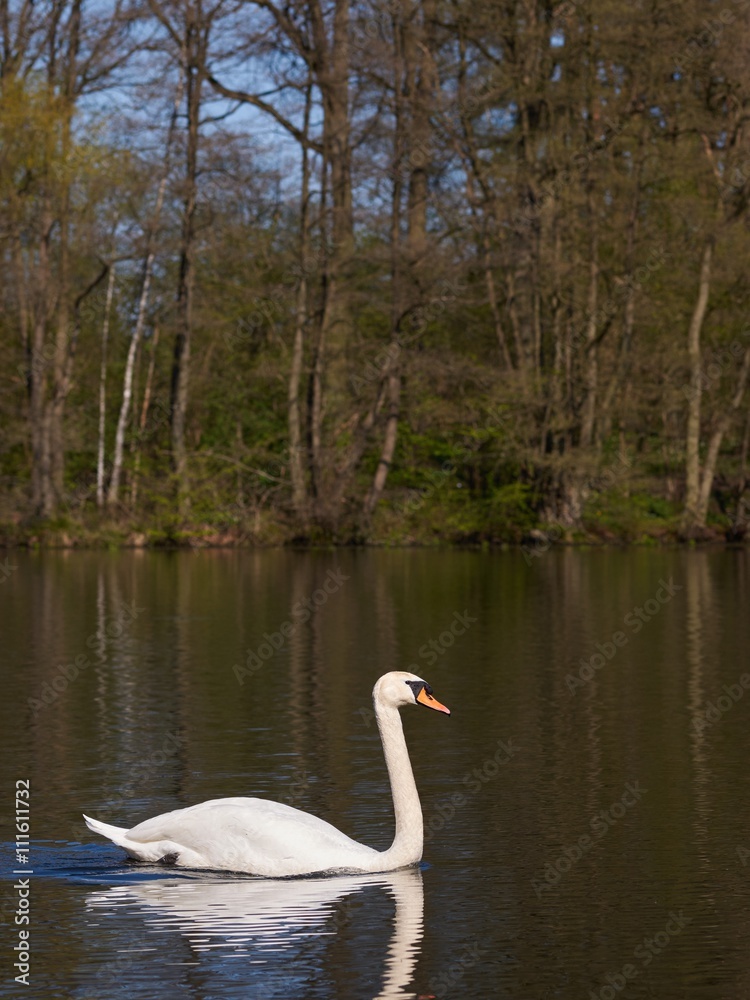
{"points": [[257, 836]]}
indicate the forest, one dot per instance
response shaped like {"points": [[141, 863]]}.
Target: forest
{"points": [[388, 272]]}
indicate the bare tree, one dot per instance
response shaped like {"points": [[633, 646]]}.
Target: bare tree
{"points": [[141, 314], [188, 25], [100, 450]]}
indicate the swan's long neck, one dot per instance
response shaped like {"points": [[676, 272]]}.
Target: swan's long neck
{"points": [[406, 848]]}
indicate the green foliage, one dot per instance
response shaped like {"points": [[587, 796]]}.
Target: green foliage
{"points": [[637, 517]]}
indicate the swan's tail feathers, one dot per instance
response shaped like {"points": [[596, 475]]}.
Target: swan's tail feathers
{"points": [[114, 833], [165, 851]]}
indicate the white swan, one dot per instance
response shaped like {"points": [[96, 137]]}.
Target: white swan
{"points": [[274, 840]]}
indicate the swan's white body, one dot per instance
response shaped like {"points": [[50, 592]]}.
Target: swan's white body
{"points": [[271, 839]]}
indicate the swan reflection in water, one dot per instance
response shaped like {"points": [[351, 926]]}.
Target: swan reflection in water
{"points": [[267, 920]]}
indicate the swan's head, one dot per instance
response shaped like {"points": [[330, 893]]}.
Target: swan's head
{"points": [[399, 687]]}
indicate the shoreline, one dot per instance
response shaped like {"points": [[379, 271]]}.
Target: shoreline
{"points": [[534, 543]]}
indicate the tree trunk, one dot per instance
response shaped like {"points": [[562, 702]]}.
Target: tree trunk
{"points": [[194, 68], [324, 47], [296, 453], [42, 492], [691, 516], [138, 439], [497, 322], [127, 385], [389, 445], [622, 365], [714, 443], [475, 173], [330, 389], [113, 494], [553, 408], [315, 394], [415, 77], [403, 81], [512, 304], [65, 334], [103, 390], [590, 359]]}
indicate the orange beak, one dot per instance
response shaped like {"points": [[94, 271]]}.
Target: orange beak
{"points": [[426, 699]]}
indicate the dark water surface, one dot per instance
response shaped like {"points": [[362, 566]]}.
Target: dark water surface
{"points": [[588, 822]]}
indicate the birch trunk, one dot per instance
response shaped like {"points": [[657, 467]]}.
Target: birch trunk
{"points": [[591, 361], [103, 390], [714, 444], [127, 386], [691, 516], [138, 440], [127, 383]]}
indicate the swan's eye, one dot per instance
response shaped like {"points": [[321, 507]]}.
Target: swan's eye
{"points": [[423, 696], [417, 687]]}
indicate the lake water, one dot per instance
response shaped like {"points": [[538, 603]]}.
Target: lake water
{"points": [[587, 803]]}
